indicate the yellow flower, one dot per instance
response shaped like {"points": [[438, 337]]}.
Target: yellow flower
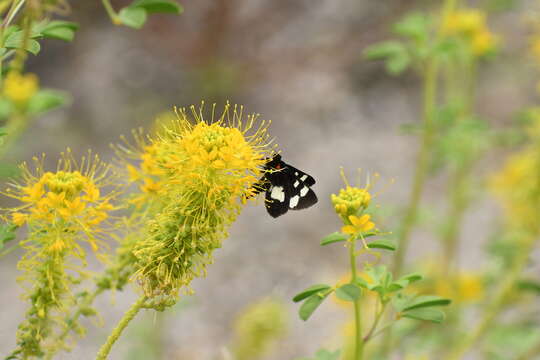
{"points": [[358, 224], [465, 287], [517, 187], [483, 42], [470, 25], [193, 175], [62, 210], [68, 199], [20, 88], [257, 328], [467, 21]]}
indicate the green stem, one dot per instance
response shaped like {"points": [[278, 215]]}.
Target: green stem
{"points": [[122, 324], [110, 11], [88, 300], [359, 343], [22, 54], [375, 323], [422, 163], [493, 309], [458, 205]]}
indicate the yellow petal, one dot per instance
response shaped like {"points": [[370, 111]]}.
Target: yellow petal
{"points": [[348, 229]]}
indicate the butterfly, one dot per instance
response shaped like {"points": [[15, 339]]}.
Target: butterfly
{"points": [[285, 187]]}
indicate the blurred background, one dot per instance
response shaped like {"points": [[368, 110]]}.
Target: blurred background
{"points": [[298, 63]]}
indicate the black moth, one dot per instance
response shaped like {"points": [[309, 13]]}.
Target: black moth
{"points": [[286, 187]]}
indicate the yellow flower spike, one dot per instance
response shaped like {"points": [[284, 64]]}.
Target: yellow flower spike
{"points": [[20, 88], [61, 209], [204, 170]]}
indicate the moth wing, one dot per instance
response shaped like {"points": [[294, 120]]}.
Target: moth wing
{"points": [[302, 176], [278, 194]]}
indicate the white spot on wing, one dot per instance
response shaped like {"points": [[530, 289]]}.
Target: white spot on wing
{"points": [[303, 178], [277, 193], [294, 201], [296, 173], [304, 191], [296, 183]]}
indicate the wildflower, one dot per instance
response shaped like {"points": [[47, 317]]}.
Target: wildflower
{"points": [[465, 287], [258, 327], [470, 25], [62, 209], [468, 21], [517, 186], [193, 176], [20, 88], [358, 225], [350, 200]]}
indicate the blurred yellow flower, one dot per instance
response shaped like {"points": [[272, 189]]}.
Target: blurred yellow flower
{"points": [[258, 327], [483, 42], [470, 24], [20, 88], [465, 287], [468, 21], [517, 187]]}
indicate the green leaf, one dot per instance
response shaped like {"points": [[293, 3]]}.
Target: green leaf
{"points": [[382, 244], [311, 304], [348, 292], [323, 354], [338, 237], [45, 100], [7, 233], [15, 40], [414, 26], [159, 6], [6, 107], [61, 30], [310, 291], [384, 50], [334, 237], [424, 301], [132, 16], [434, 315], [529, 285], [412, 277], [397, 285], [398, 63]]}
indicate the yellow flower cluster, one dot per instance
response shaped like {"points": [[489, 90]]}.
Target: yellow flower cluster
{"points": [[464, 287], [65, 202], [258, 327], [350, 200], [20, 88], [194, 173], [359, 224], [61, 210], [471, 25], [517, 186]]}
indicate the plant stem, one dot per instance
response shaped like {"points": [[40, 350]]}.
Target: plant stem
{"points": [[375, 323], [110, 11], [493, 309], [458, 205], [122, 324], [359, 343], [422, 162], [88, 300]]}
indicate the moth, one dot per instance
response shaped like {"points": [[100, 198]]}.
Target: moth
{"points": [[286, 188]]}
